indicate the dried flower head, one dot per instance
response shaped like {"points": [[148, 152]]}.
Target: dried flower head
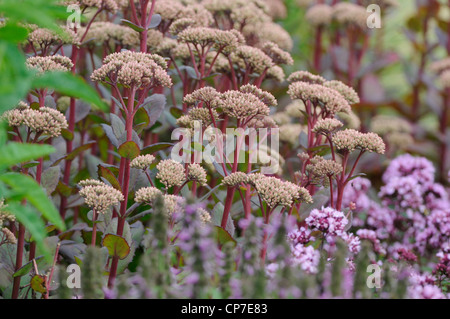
{"points": [[142, 161], [170, 173], [101, 197]]}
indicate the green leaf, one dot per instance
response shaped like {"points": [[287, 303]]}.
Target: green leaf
{"points": [[28, 189], [38, 284], [25, 269], [28, 217], [117, 246], [223, 236], [70, 85], [109, 176], [13, 33], [129, 150], [16, 153], [132, 25], [50, 179], [176, 112], [15, 78]]}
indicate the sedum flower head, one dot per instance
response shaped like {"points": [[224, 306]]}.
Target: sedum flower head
{"points": [[346, 140], [147, 195], [320, 170], [180, 25], [385, 124], [173, 203], [326, 126], [305, 76], [142, 161], [440, 65], [204, 216], [347, 92], [235, 179], [9, 236], [445, 79], [276, 73], [277, 55], [45, 120], [350, 140], [241, 105], [253, 58], [319, 95], [207, 95], [90, 182], [108, 5], [133, 69], [49, 63], [371, 142], [290, 133], [101, 197], [197, 173], [350, 14], [276, 192], [5, 215], [319, 15], [265, 97], [170, 173]]}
